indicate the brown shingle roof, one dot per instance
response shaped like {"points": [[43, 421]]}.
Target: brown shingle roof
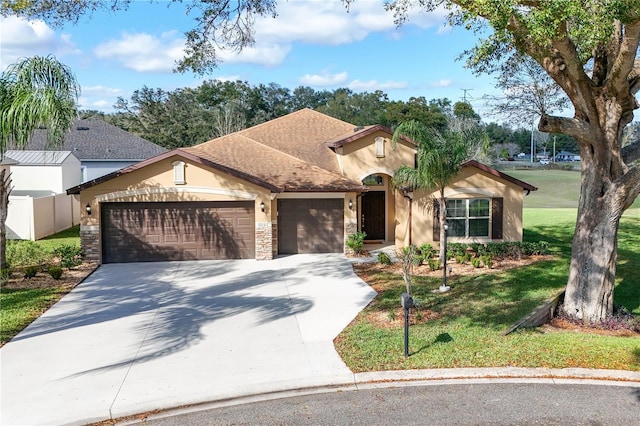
{"points": [[302, 134], [270, 165]]}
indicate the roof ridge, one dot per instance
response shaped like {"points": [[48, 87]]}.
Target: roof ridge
{"points": [[298, 112]]}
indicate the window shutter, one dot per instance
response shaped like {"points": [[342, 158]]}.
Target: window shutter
{"points": [[496, 218], [436, 220]]}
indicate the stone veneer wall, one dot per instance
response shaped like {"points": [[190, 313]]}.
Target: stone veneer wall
{"points": [[274, 238], [350, 227], [90, 242], [264, 241]]}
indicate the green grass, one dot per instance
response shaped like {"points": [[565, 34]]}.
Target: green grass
{"points": [[19, 307], [474, 315], [556, 188], [68, 236]]}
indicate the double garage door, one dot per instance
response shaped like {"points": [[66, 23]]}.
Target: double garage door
{"points": [[148, 232], [310, 226]]}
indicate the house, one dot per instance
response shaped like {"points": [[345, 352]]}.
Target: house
{"points": [[38, 203], [101, 147], [301, 183], [567, 156]]}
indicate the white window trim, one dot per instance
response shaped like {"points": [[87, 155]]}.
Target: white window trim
{"points": [[179, 172], [467, 217], [379, 147]]}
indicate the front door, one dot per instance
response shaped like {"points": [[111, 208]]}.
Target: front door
{"points": [[373, 219]]}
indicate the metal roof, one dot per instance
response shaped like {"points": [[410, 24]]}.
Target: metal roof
{"points": [[38, 158]]}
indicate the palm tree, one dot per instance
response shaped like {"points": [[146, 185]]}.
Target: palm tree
{"points": [[34, 92], [440, 154]]}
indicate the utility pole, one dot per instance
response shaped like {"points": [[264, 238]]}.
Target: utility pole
{"points": [[464, 95], [532, 144]]}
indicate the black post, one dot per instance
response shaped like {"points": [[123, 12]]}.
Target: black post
{"points": [[407, 303], [406, 332]]}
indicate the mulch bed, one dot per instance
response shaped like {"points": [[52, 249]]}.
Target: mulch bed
{"points": [[70, 278]]}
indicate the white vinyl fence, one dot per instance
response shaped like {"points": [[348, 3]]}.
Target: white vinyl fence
{"points": [[32, 218]]}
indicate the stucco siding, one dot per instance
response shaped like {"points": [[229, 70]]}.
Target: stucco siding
{"points": [[359, 157], [471, 183]]}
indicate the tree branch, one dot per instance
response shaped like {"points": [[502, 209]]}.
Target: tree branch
{"points": [[629, 186], [631, 152], [574, 127], [625, 62]]}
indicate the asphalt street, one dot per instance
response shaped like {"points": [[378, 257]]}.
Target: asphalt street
{"points": [[504, 403]]}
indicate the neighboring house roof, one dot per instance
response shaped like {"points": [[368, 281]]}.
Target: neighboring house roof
{"points": [[494, 172], [95, 139], [38, 158]]}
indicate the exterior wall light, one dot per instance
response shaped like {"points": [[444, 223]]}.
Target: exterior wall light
{"points": [[262, 206], [88, 209], [350, 205]]}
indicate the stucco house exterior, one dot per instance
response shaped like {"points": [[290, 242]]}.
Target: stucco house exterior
{"points": [[102, 148], [301, 183]]}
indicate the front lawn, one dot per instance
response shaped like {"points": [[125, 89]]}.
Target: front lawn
{"points": [[464, 328], [22, 299]]}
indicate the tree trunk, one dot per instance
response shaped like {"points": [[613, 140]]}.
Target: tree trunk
{"points": [[589, 293], [443, 231], [5, 190]]}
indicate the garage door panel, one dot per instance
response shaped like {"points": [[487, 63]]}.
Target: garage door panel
{"points": [[310, 226], [177, 231]]}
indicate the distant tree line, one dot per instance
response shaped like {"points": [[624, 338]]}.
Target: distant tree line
{"points": [[189, 116]]}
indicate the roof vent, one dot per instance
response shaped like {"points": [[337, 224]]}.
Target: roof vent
{"points": [[82, 128], [358, 128]]}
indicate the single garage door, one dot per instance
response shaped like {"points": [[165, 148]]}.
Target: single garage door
{"points": [[311, 226], [151, 232]]}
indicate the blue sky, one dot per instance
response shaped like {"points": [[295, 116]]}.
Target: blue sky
{"points": [[311, 43]]}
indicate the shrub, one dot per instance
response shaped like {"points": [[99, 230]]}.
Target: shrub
{"points": [[428, 251], [26, 253], [30, 271], [355, 241], [70, 255], [384, 258], [434, 264], [463, 258], [475, 261], [55, 272], [487, 260]]}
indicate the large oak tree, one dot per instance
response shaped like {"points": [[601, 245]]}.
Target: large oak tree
{"points": [[588, 47]]}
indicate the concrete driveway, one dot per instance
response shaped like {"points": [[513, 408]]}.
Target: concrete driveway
{"points": [[142, 336]]}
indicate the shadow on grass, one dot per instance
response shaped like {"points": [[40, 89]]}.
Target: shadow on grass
{"points": [[441, 338]]}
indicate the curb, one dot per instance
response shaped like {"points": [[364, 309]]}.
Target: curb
{"points": [[425, 377]]}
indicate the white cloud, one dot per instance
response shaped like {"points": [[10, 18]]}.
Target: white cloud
{"points": [[441, 83], [144, 52], [376, 85], [324, 80], [266, 54], [100, 91], [22, 38]]}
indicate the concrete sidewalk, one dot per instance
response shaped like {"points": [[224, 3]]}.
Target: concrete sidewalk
{"points": [[139, 337]]}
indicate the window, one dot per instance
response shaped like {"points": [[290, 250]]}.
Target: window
{"points": [[373, 180], [468, 218], [178, 172], [379, 147]]}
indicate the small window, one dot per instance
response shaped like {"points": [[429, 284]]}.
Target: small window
{"points": [[373, 180], [379, 147], [468, 218], [178, 172]]}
